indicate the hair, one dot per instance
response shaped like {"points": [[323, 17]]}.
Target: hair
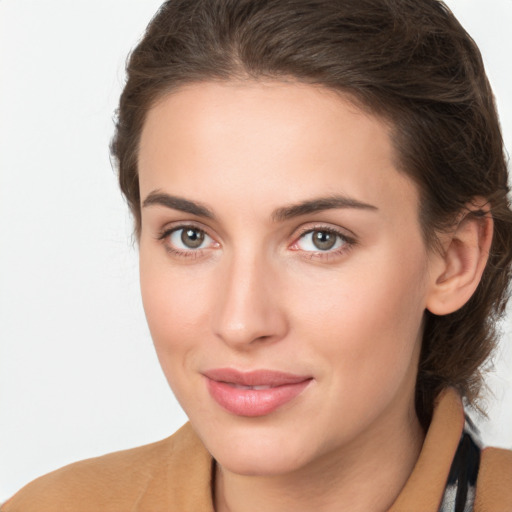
{"points": [[411, 63]]}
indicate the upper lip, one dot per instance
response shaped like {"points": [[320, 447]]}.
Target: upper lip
{"points": [[262, 377]]}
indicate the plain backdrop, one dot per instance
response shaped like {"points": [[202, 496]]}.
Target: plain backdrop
{"points": [[78, 374]]}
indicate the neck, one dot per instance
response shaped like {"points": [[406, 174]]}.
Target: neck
{"points": [[367, 475]]}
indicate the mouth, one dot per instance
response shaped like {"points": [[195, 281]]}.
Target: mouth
{"points": [[255, 393]]}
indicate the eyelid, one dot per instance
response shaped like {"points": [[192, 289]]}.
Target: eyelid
{"points": [[175, 226], [349, 241], [171, 228], [344, 233]]}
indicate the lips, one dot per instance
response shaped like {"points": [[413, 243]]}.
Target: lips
{"points": [[255, 393]]}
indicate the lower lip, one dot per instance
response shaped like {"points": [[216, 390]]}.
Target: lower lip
{"points": [[254, 402]]}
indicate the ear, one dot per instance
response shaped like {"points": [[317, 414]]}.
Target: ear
{"points": [[457, 270]]}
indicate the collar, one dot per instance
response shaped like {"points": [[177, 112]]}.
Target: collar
{"points": [[190, 474], [425, 489]]}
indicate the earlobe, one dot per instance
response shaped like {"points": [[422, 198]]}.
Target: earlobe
{"points": [[458, 270]]}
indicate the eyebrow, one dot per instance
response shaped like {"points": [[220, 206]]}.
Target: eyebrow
{"points": [[177, 203], [281, 214], [317, 205]]}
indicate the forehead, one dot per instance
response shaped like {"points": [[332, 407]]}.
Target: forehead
{"points": [[268, 143]]}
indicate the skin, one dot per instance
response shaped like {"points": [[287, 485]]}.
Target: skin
{"points": [[258, 293]]}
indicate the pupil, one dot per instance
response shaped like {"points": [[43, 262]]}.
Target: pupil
{"points": [[192, 238], [324, 240]]}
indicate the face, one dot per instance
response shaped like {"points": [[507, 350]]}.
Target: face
{"points": [[283, 272]]}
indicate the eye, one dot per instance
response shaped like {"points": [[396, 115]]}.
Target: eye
{"points": [[186, 239], [320, 240]]}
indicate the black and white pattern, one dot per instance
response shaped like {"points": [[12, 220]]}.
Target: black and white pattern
{"points": [[459, 494]]}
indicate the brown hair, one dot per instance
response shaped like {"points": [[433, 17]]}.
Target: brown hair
{"points": [[408, 61]]}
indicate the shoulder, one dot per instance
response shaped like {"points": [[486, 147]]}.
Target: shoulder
{"points": [[118, 481], [494, 483]]}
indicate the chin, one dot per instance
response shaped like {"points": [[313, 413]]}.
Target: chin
{"points": [[260, 464], [258, 452]]}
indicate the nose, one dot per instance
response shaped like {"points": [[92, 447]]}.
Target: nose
{"points": [[249, 310]]}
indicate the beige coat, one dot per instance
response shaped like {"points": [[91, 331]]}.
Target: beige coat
{"points": [[174, 475]]}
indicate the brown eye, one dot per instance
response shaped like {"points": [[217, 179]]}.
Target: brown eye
{"points": [[192, 237], [188, 238], [321, 240], [324, 240]]}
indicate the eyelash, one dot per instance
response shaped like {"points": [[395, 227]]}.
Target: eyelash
{"points": [[348, 242], [191, 253]]}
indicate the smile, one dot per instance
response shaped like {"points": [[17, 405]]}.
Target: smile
{"points": [[255, 393]]}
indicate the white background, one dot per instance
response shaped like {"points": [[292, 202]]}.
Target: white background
{"points": [[78, 375]]}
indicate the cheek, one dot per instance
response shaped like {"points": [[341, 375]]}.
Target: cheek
{"points": [[175, 304], [176, 311], [365, 320]]}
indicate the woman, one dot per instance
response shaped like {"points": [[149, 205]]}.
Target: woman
{"points": [[320, 199]]}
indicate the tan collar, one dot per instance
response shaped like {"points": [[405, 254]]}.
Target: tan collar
{"points": [[191, 470], [424, 489]]}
